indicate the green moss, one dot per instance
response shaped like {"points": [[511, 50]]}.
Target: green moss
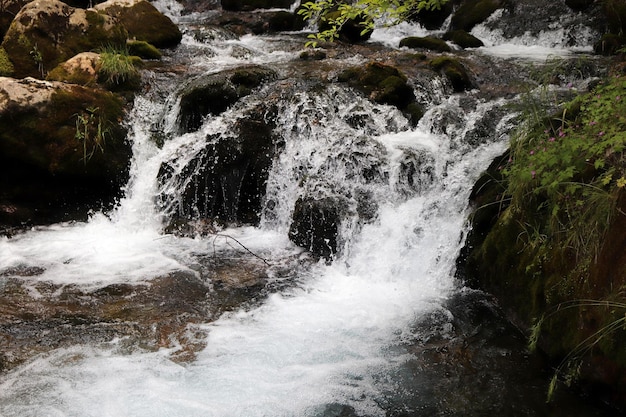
{"points": [[143, 49], [6, 66], [463, 39], [428, 42]]}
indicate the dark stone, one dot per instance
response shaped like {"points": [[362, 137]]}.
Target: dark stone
{"points": [[609, 44], [454, 71], [315, 225], [435, 18], [463, 39], [283, 21], [228, 178], [579, 5], [428, 42], [214, 93], [351, 31], [473, 12]]}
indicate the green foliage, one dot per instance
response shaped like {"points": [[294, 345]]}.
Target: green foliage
{"points": [[117, 67], [91, 131], [6, 66], [336, 14], [572, 167]]}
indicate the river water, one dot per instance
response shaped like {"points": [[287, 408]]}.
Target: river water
{"points": [[371, 333]]}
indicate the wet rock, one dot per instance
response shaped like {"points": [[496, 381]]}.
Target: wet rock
{"points": [[62, 150], [435, 18], [47, 32], [214, 93], [579, 5], [473, 12], [454, 71], [428, 42], [463, 39], [315, 225], [386, 85], [283, 21], [143, 22], [228, 176]]}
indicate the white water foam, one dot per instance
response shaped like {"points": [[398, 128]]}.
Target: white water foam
{"points": [[330, 340]]}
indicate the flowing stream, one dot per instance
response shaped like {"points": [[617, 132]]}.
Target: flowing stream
{"points": [[334, 338]]}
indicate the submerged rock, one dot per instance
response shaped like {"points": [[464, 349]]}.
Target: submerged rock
{"points": [[428, 42]]}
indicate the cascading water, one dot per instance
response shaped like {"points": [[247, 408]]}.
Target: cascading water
{"points": [[327, 343]]}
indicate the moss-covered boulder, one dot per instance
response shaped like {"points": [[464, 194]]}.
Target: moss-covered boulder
{"points": [[47, 32], [427, 42], [143, 50], [454, 71], [473, 12], [214, 93], [61, 145], [81, 69], [143, 21], [463, 39], [386, 85], [249, 5]]}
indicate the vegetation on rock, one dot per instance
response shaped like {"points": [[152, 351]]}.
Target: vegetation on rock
{"points": [[559, 226], [6, 67]]}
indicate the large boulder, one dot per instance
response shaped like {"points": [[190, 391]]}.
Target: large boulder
{"points": [[143, 21], [227, 179], [81, 69], [61, 145], [473, 12], [47, 32]]}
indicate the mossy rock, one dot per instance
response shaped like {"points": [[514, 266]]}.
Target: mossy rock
{"points": [[249, 5], [384, 84], [143, 49], [463, 39], [214, 93], [49, 164], [6, 66], [609, 44], [81, 69], [143, 22], [454, 71], [427, 42], [473, 12], [47, 32]]}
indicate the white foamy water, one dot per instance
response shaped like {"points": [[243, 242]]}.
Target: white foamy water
{"points": [[332, 339]]}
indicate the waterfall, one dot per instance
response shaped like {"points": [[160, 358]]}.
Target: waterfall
{"points": [[327, 342]]}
